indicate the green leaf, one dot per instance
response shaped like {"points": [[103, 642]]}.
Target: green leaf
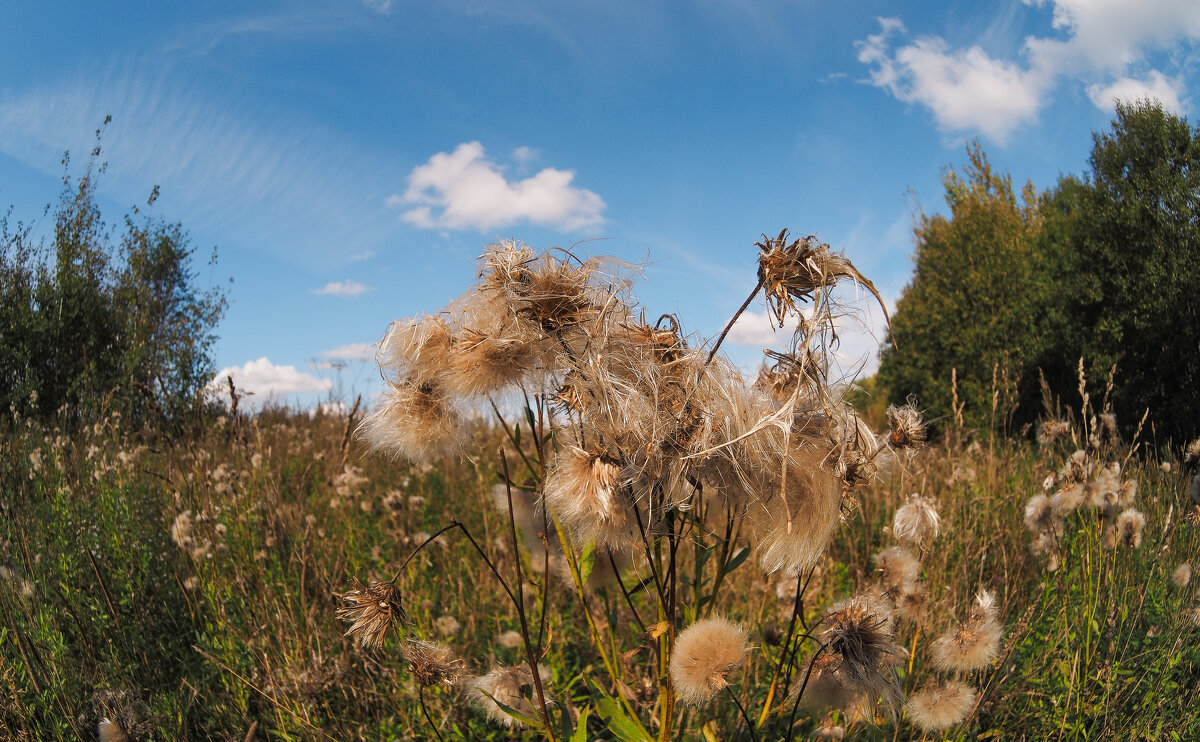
{"points": [[528, 721], [737, 559], [587, 560], [580, 734], [620, 724]]}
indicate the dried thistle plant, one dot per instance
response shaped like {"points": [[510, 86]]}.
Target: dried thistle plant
{"points": [[705, 653], [372, 611]]}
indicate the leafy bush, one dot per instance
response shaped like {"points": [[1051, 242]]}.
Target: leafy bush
{"points": [[96, 322]]}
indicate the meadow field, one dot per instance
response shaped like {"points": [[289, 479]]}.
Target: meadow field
{"points": [[269, 575]]}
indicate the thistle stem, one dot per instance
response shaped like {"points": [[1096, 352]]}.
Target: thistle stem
{"points": [[732, 320]]}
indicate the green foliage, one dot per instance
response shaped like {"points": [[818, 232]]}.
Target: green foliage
{"points": [[973, 304], [1104, 268], [96, 322]]}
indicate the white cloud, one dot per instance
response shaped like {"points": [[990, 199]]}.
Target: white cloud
{"points": [[266, 380], [524, 155], [1110, 34], [970, 90], [758, 330], [1155, 86], [343, 288], [465, 190], [964, 89], [352, 352], [362, 256], [382, 7]]}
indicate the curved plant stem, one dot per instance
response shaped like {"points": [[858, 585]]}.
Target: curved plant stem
{"points": [[428, 718], [742, 709], [728, 327]]}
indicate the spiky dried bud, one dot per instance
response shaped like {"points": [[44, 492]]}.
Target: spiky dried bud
{"points": [[974, 643], [432, 663], [372, 610], [907, 430], [860, 631], [941, 705], [1053, 430], [917, 521], [795, 271], [704, 654]]}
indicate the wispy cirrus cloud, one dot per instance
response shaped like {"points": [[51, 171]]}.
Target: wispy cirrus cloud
{"points": [[254, 174], [343, 288], [464, 189], [1098, 45], [351, 352]]}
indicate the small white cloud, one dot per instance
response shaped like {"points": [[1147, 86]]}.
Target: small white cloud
{"points": [[382, 7], [267, 380], [965, 90], [524, 155], [1155, 86], [759, 330], [351, 352], [465, 190], [362, 256], [343, 288]]}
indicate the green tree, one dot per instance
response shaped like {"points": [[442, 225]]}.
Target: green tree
{"points": [[1130, 279], [974, 304], [97, 323]]}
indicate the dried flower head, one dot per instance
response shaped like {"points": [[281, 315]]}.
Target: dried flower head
{"points": [[417, 421], [973, 643], [372, 610], [1068, 499], [432, 663], [447, 625], [912, 602], [917, 521], [510, 640], [1191, 455], [941, 705], [828, 729], [1040, 517], [582, 490], [504, 684], [704, 654], [906, 427], [797, 270], [896, 568], [1053, 430], [1182, 575], [825, 688], [859, 630], [1129, 525]]}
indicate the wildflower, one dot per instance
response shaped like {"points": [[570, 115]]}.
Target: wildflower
{"points": [[373, 610], [897, 568], [797, 270], [941, 705], [704, 654], [504, 684], [447, 625], [510, 639], [416, 421], [432, 663], [916, 521], [912, 602], [907, 429], [860, 631], [1182, 575], [1040, 516], [1129, 527], [974, 642]]}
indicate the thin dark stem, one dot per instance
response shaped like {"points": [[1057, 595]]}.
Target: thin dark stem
{"points": [[628, 598], [728, 327], [529, 655], [424, 543], [800, 693], [742, 709], [658, 583], [421, 698]]}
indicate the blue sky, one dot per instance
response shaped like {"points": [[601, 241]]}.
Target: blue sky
{"points": [[350, 160]]}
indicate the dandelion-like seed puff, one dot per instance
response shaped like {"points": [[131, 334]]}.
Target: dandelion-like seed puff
{"points": [[917, 521], [372, 610], [939, 706], [704, 654], [973, 643]]}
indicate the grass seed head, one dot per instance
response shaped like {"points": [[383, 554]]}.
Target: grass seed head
{"points": [[704, 654]]}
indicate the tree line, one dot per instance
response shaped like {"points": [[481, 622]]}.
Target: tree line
{"points": [[1010, 288]]}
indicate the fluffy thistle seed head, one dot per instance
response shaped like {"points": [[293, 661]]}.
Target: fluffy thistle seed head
{"points": [[372, 610], [582, 490], [941, 705], [860, 631], [1191, 456], [1182, 575], [1053, 430], [912, 602], [1040, 517], [432, 663], [504, 684], [797, 270], [416, 421], [907, 429], [705, 653], [973, 643], [897, 568], [1130, 524], [917, 521]]}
